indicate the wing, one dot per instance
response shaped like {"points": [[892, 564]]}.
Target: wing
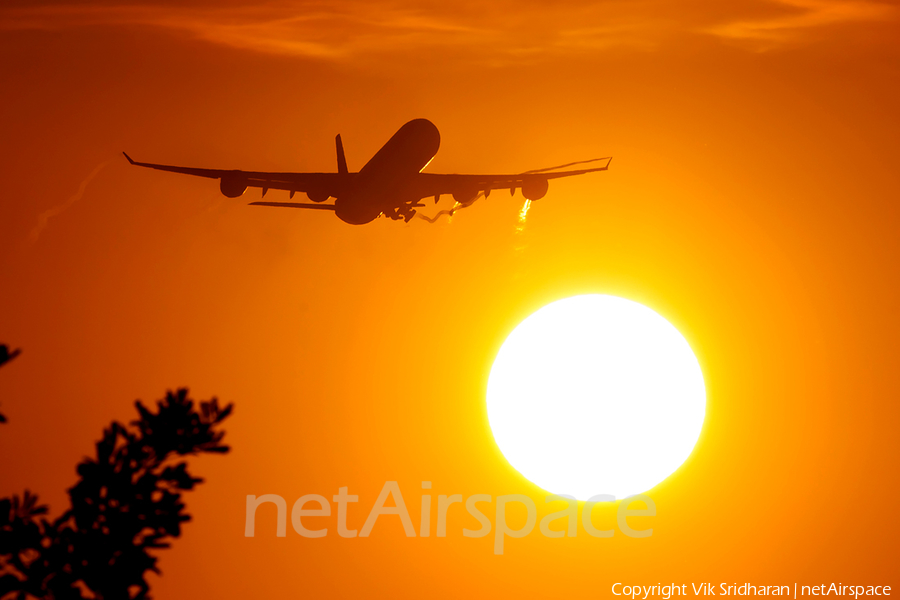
{"points": [[433, 184], [234, 182]]}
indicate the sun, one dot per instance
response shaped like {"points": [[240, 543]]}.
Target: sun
{"points": [[596, 395]]}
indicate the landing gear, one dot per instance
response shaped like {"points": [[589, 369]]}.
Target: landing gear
{"points": [[404, 212]]}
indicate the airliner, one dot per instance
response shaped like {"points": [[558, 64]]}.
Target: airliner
{"points": [[391, 184]]}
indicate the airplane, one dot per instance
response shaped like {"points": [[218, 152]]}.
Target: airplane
{"points": [[391, 184]]}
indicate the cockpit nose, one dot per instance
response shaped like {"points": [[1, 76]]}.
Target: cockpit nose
{"points": [[425, 132]]}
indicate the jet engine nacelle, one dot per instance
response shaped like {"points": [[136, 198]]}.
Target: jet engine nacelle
{"points": [[317, 196], [465, 197], [233, 187], [535, 189]]}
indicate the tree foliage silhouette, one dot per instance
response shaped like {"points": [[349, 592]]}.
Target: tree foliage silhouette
{"points": [[5, 357], [126, 503]]}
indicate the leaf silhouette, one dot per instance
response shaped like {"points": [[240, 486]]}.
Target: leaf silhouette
{"points": [[126, 503]]}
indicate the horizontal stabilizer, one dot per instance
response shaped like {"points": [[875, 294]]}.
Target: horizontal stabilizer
{"points": [[295, 205]]}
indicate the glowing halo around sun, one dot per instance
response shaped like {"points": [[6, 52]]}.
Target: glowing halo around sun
{"points": [[596, 395]]}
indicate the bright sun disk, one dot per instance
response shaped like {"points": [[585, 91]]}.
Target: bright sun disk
{"points": [[595, 395]]}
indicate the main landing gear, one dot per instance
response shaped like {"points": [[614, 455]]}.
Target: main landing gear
{"points": [[405, 212]]}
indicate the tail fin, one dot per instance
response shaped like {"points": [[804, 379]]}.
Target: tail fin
{"points": [[342, 162]]}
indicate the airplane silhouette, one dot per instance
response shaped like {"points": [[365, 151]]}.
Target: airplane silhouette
{"points": [[390, 184]]}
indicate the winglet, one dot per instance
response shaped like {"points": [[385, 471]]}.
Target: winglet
{"points": [[128, 157], [342, 162]]}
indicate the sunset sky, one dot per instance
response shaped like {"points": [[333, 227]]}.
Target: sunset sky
{"points": [[753, 200]]}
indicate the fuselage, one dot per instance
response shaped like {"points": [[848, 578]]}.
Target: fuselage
{"points": [[386, 182]]}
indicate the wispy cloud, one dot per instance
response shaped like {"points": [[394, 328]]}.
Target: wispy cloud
{"points": [[345, 29], [319, 30], [45, 216], [803, 15]]}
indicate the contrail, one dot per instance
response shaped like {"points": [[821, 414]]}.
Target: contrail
{"points": [[44, 217]]}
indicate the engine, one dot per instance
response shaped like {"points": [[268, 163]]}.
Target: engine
{"points": [[317, 196], [232, 187], [535, 188], [466, 196]]}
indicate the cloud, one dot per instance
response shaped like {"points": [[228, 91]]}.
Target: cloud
{"points": [[502, 30], [803, 15], [45, 216], [326, 30]]}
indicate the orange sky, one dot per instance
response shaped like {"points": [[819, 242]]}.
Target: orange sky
{"points": [[752, 201]]}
